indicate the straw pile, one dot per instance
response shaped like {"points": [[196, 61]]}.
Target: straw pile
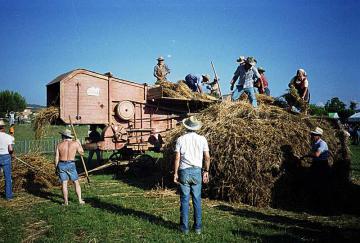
{"points": [[181, 91], [247, 148], [44, 118], [293, 99], [41, 174]]}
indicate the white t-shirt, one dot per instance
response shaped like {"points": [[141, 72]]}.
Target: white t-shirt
{"points": [[191, 147], [5, 141]]}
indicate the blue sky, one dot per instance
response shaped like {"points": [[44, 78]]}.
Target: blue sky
{"points": [[42, 39]]}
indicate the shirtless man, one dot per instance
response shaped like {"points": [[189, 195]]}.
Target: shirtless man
{"points": [[65, 164]]}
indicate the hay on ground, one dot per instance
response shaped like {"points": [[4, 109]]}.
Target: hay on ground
{"points": [[249, 148], [44, 118], [40, 176]]}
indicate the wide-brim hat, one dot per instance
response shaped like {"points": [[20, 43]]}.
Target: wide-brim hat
{"points": [[318, 131], [261, 69], [241, 59], [251, 61], [192, 123], [2, 123], [160, 58], [206, 76], [66, 133]]}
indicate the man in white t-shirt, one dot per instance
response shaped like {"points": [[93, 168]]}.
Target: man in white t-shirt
{"points": [[6, 149], [190, 151]]}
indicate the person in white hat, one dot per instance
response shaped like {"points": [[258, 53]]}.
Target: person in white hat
{"points": [[6, 151], [161, 70], [246, 74], [191, 155], [65, 164], [319, 149]]}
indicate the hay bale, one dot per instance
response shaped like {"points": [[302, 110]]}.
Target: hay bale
{"points": [[42, 176], [44, 118], [247, 148]]}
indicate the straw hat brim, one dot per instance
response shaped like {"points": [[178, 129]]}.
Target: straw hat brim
{"points": [[315, 133], [193, 128], [66, 135]]}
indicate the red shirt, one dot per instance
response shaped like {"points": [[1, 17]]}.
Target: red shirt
{"points": [[264, 80]]}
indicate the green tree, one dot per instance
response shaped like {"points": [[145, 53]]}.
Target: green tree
{"points": [[11, 101], [353, 105], [317, 110], [335, 105]]}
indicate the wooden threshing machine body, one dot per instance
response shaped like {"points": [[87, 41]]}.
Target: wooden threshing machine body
{"points": [[127, 111]]}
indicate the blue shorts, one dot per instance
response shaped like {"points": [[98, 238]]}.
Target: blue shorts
{"points": [[67, 170]]}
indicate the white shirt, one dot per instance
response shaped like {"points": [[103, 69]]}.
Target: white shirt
{"points": [[191, 147], [5, 141]]}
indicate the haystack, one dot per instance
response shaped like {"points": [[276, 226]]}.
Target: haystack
{"points": [[249, 147], [181, 91], [43, 119], [39, 173]]}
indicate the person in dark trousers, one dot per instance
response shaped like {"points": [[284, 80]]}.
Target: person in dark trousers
{"points": [[319, 171], [6, 152], [94, 137], [191, 155]]}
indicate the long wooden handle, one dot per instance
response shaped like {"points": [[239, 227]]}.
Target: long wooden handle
{"points": [[216, 77], [82, 158]]}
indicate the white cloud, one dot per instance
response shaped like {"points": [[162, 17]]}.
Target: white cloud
{"points": [[320, 104], [169, 55]]}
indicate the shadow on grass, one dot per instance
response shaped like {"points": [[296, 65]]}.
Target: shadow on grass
{"points": [[294, 230], [120, 210], [37, 189]]}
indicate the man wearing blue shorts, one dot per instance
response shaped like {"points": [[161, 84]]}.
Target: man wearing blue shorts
{"points": [[65, 164]]}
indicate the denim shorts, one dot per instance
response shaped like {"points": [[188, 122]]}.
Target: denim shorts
{"points": [[67, 171]]}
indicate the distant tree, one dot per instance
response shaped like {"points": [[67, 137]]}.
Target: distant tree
{"points": [[334, 105], [11, 101], [353, 105], [316, 110]]}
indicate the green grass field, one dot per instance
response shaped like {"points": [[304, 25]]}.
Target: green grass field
{"points": [[127, 210], [123, 211]]}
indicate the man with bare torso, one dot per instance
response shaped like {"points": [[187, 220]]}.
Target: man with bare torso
{"points": [[65, 164]]}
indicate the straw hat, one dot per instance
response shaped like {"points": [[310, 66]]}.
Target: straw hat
{"points": [[318, 131], [241, 59], [251, 61], [206, 76], [192, 123], [2, 123], [66, 133], [261, 69], [160, 58]]}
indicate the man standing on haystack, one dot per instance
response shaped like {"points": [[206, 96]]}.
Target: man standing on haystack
{"points": [[65, 164], [246, 73], [262, 83], [190, 151], [6, 151], [161, 70]]}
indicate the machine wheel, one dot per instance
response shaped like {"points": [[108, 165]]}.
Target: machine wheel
{"points": [[116, 157]]}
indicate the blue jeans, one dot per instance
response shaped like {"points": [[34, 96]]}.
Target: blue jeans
{"points": [[5, 164], [190, 184], [249, 91]]}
